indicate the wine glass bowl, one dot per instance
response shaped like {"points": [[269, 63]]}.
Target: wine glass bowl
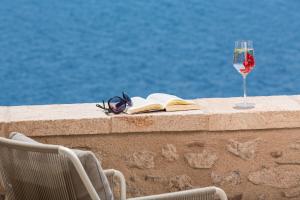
{"points": [[244, 62]]}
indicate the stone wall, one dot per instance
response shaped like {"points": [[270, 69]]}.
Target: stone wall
{"points": [[251, 154], [254, 165]]}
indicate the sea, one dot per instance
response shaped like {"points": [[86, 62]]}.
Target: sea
{"points": [[75, 51]]}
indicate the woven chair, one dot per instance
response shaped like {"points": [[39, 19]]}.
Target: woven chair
{"points": [[46, 172]]}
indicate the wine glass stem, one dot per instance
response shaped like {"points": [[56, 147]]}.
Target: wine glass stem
{"points": [[245, 89]]}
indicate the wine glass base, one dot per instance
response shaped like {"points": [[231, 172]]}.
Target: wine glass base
{"points": [[244, 105]]}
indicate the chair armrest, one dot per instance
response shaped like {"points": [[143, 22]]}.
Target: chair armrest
{"points": [[111, 174], [221, 193], [207, 193]]}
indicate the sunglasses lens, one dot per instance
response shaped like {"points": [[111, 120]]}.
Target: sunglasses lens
{"points": [[128, 99], [117, 104]]}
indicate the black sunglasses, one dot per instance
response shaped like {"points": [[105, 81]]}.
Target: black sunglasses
{"points": [[116, 104]]}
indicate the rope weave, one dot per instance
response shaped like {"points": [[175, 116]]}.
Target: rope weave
{"points": [[30, 175]]}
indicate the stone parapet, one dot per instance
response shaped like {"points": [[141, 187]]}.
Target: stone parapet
{"points": [[218, 114], [251, 154]]}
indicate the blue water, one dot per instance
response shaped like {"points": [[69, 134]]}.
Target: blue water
{"points": [[70, 51]]}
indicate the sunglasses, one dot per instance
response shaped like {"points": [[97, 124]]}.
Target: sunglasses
{"points": [[116, 104]]}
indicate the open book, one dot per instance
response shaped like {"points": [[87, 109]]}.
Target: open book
{"points": [[160, 101]]}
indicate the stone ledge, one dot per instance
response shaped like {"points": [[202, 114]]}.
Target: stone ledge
{"points": [[160, 122], [218, 114]]}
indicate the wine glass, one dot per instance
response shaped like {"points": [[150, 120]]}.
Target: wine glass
{"points": [[243, 62]]}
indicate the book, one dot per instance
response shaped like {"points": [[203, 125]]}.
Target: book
{"points": [[160, 102]]}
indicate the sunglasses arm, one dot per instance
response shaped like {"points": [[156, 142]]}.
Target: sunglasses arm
{"points": [[102, 107]]}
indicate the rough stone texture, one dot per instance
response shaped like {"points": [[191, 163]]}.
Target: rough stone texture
{"points": [[236, 197], [133, 190], [142, 160], [290, 157], [204, 160], [262, 197], [3, 129], [155, 178], [216, 178], [179, 183], [278, 177], [295, 145], [195, 144], [133, 177], [169, 152], [288, 162], [160, 121], [244, 150], [276, 154], [232, 178], [292, 193]]}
